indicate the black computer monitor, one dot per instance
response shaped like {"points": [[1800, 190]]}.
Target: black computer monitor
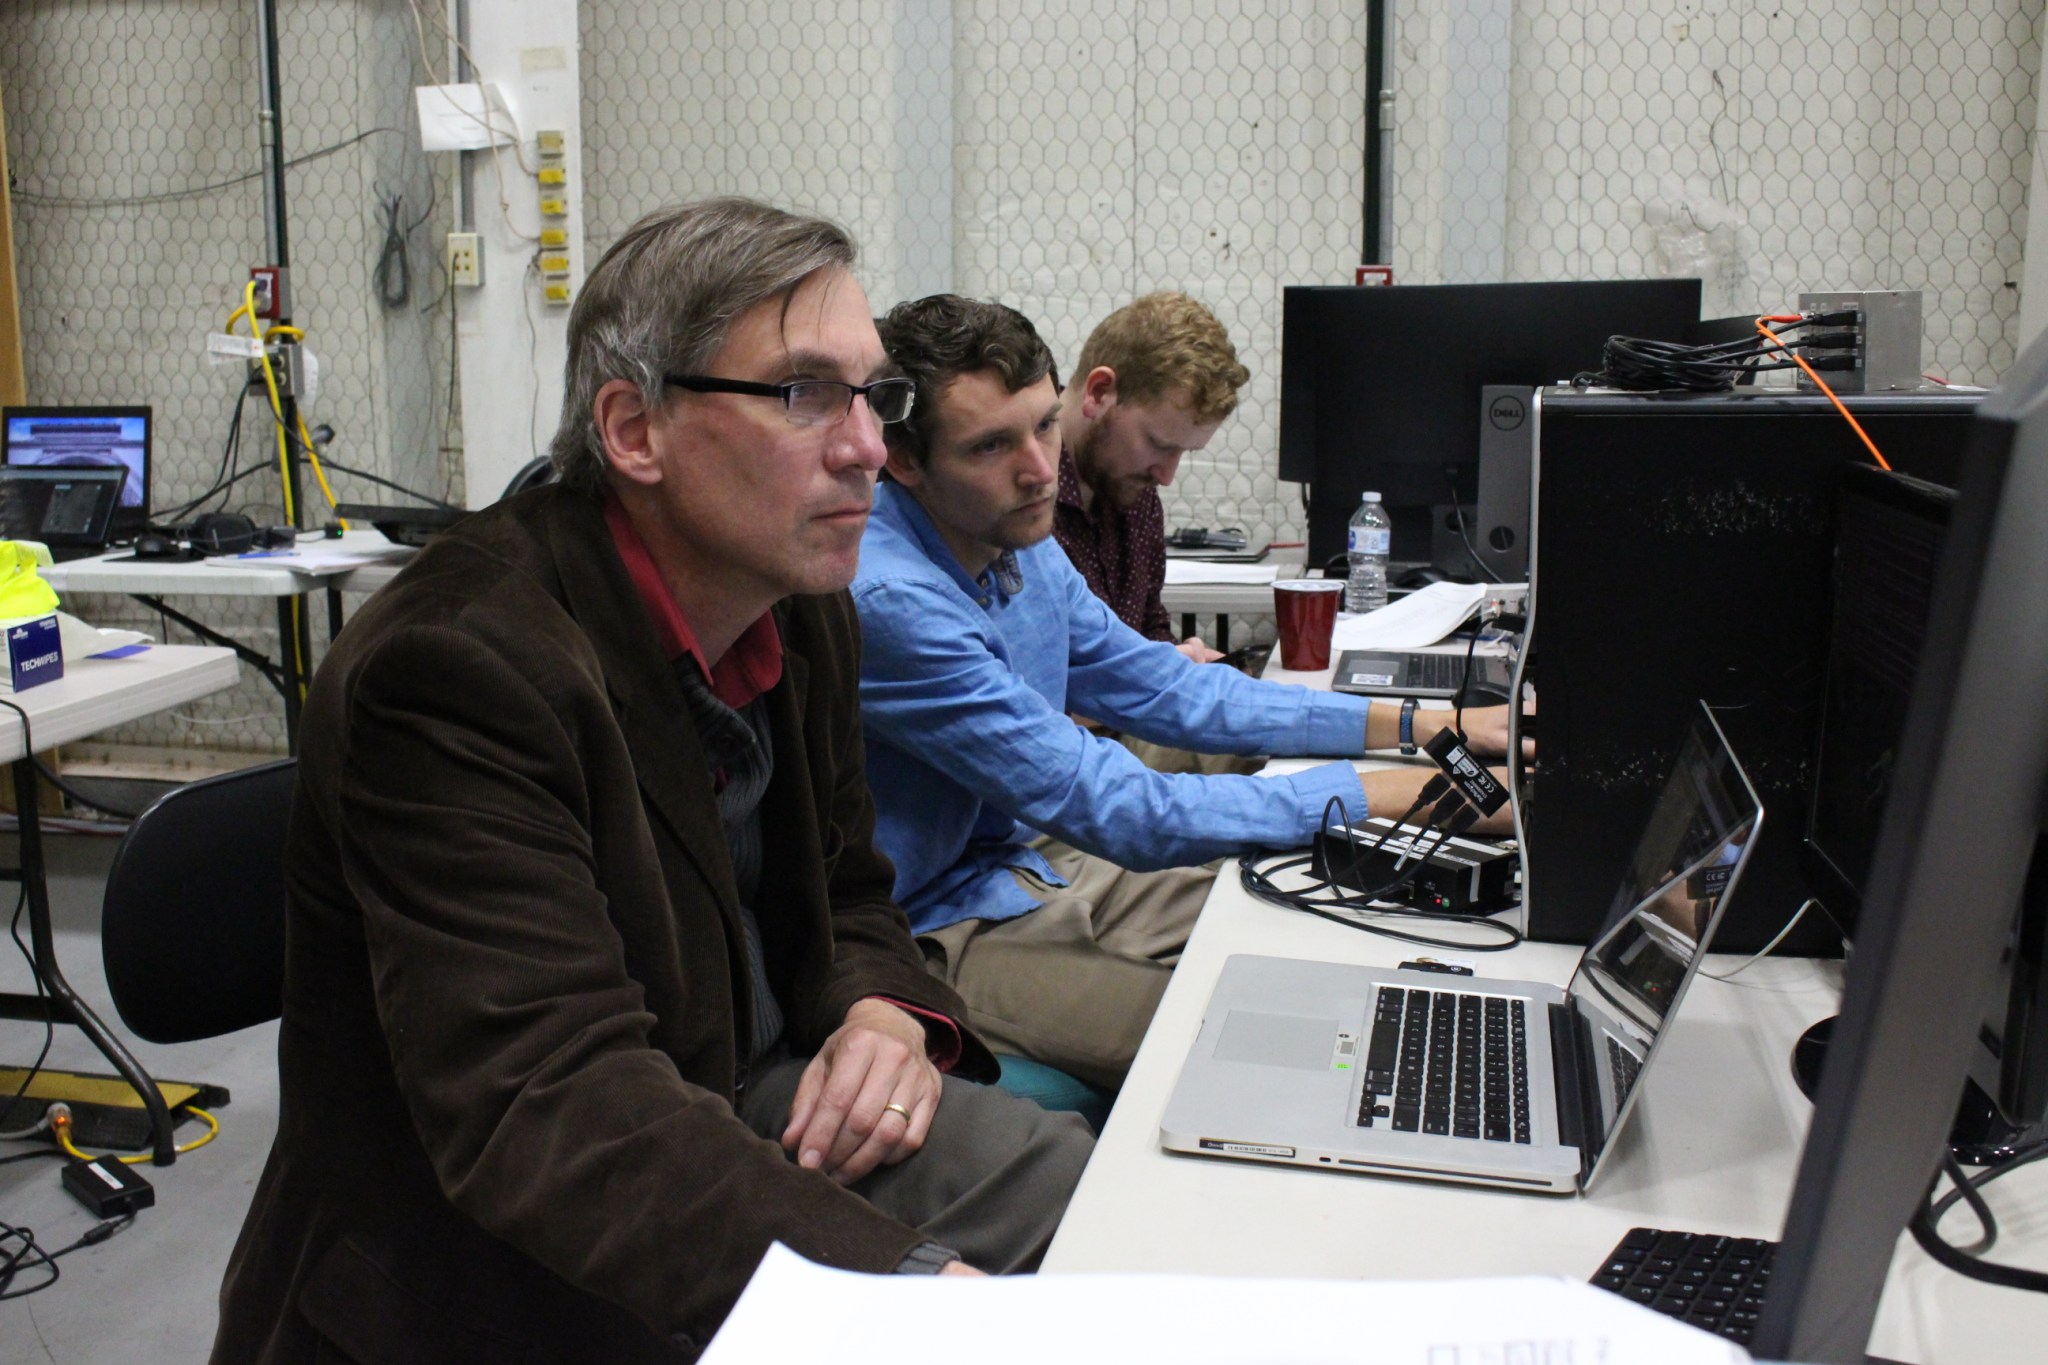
{"points": [[1379, 385], [75, 437], [1889, 532], [1952, 875]]}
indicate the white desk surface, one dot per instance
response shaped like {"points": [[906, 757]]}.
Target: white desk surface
{"points": [[1246, 599], [1712, 1147], [116, 573], [95, 694]]}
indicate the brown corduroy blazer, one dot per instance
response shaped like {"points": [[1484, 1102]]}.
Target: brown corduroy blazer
{"points": [[515, 973]]}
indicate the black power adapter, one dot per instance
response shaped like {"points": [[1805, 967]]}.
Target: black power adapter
{"points": [[108, 1186]]}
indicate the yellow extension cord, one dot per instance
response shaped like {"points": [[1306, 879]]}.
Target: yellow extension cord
{"points": [[60, 1125]]}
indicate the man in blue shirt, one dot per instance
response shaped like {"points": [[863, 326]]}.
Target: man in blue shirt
{"points": [[1052, 878]]}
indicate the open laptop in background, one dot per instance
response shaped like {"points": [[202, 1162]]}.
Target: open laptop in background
{"points": [[1513, 1084], [407, 525], [75, 437], [1420, 673], [69, 510]]}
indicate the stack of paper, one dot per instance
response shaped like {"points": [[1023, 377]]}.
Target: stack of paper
{"points": [[1202, 571], [1421, 618], [793, 1310]]}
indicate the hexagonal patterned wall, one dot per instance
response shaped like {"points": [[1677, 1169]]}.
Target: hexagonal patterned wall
{"points": [[1101, 151], [1059, 156], [1771, 148], [133, 145]]}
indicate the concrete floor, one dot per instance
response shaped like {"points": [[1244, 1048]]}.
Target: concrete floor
{"points": [[150, 1293]]}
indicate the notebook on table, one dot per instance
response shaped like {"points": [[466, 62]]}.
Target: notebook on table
{"points": [[1514, 1084]]}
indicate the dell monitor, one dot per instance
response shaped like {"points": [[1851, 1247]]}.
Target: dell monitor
{"points": [[1951, 898], [1380, 385], [84, 437]]}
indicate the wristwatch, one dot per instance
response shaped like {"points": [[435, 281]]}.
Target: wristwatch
{"points": [[1408, 725]]}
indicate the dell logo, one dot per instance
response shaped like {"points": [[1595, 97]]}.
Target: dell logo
{"points": [[1506, 412]]}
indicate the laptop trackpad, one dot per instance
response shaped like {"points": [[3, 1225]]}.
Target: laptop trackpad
{"points": [[1277, 1040]]}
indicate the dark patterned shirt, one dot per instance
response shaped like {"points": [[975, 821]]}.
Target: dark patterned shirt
{"points": [[1121, 552]]}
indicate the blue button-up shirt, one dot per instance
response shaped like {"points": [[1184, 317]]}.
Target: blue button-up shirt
{"points": [[965, 687]]}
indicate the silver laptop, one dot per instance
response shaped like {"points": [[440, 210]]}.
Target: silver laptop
{"points": [[1506, 1083]]}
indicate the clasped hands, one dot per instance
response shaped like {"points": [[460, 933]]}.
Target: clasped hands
{"points": [[867, 1098]]}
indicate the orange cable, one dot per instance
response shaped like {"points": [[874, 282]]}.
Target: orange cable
{"points": [[1814, 375]]}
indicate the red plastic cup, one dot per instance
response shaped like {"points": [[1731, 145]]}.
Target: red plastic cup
{"points": [[1307, 613]]}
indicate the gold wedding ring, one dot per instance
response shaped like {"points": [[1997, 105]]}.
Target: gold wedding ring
{"points": [[897, 1109]]}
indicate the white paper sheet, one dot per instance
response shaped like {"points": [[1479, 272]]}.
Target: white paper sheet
{"points": [[1202, 571], [314, 556], [1421, 618], [82, 641], [794, 1311], [463, 118]]}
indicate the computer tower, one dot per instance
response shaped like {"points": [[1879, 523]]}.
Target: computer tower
{"points": [[1683, 549]]}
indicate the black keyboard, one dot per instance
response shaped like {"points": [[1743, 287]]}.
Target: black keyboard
{"points": [[1436, 671], [1715, 1283], [1624, 1067], [1450, 1063]]}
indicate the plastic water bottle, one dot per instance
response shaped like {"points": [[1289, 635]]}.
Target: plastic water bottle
{"points": [[1370, 540]]}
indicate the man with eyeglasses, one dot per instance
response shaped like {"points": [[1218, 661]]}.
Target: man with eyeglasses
{"points": [[1051, 877], [595, 988]]}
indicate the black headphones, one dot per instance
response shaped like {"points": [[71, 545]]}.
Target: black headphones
{"points": [[230, 533]]}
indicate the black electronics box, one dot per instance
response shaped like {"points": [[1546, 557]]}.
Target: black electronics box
{"points": [[1684, 551], [106, 1186], [1460, 875]]}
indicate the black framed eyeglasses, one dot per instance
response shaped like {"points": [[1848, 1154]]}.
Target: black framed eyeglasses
{"points": [[813, 402]]}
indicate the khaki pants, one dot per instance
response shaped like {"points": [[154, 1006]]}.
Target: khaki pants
{"points": [[1160, 759], [1073, 983]]}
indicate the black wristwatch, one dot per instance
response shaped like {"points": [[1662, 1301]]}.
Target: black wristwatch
{"points": [[1408, 725]]}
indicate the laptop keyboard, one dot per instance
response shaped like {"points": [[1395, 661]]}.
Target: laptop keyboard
{"points": [[1436, 671], [1623, 1066], [1450, 1063], [1715, 1283]]}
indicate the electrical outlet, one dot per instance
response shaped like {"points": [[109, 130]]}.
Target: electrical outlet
{"points": [[271, 302], [465, 260]]}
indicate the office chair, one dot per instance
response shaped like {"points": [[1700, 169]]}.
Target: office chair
{"points": [[532, 474], [192, 927], [1050, 1088]]}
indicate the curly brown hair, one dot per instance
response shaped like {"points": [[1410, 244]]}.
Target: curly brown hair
{"points": [[937, 339], [1168, 346]]}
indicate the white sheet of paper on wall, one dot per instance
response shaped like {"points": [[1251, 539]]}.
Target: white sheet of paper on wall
{"points": [[456, 118]]}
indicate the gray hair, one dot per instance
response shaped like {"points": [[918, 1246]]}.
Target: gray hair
{"points": [[663, 297]]}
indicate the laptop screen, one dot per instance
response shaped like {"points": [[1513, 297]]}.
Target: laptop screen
{"points": [[1663, 918], [75, 437], [63, 508]]}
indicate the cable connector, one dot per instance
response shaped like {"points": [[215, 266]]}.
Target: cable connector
{"points": [[58, 1116], [1835, 362], [1846, 317], [1831, 341]]}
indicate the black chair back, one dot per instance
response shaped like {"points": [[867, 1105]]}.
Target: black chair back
{"points": [[192, 928]]}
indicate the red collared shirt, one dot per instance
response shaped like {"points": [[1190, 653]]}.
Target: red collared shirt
{"points": [[751, 667], [1120, 551]]}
